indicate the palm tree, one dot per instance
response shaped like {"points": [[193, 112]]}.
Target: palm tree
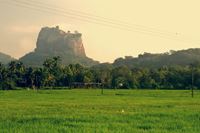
{"points": [[29, 77]]}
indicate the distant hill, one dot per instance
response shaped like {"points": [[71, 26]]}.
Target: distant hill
{"points": [[55, 42], [5, 58], [172, 58]]}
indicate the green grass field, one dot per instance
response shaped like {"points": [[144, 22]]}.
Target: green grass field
{"points": [[85, 111]]}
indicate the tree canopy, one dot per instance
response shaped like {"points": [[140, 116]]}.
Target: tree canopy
{"points": [[54, 74]]}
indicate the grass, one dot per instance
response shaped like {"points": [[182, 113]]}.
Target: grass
{"points": [[85, 111]]}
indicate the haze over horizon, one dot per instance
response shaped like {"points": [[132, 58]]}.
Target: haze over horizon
{"points": [[156, 25]]}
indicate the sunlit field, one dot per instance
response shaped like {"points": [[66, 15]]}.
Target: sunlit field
{"points": [[87, 110]]}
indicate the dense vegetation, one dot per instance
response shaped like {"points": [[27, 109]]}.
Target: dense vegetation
{"points": [[53, 74], [172, 58], [87, 111]]}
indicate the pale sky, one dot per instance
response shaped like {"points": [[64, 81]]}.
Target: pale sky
{"points": [[171, 25]]}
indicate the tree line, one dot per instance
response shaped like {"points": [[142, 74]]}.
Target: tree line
{"points": [[53, 74]]}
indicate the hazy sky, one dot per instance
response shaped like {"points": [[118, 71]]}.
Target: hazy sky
{"points": [[169, 24]]}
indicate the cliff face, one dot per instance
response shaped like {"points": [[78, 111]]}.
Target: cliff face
{"points": [[55, 42]]}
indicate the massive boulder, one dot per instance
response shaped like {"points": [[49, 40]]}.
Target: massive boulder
{"points": [[55, 42]]}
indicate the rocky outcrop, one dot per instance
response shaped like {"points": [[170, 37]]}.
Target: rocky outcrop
{"points": [[55, 42]]}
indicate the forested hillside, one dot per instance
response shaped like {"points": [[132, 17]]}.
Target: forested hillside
{"points": [[5, 58], [172, 58]]}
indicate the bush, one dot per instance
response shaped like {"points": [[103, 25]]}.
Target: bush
{"points": [[7, 85]]}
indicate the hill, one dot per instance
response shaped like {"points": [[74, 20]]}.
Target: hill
{"points": [[172, 58], [5, 58], [55, 42]]}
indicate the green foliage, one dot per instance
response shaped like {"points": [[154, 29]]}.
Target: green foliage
{"points": [[54, 74], [173, 58], [7, 85], [6, 82]]}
